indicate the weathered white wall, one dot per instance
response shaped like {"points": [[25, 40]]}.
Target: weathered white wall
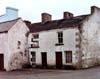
{"points": [[91, 40], [47, 41], [4, 47], [17, 57]]}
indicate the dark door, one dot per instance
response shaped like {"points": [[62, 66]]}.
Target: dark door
{"points": [[44, 59], [59, 60], [1, 61]]}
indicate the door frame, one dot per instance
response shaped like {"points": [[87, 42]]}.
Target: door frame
{"points": [[44, 59], [59, 61], [2, 62]]}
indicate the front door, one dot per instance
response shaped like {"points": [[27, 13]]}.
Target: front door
{"points": [[1, 61], [59, 60], [44, 59]]}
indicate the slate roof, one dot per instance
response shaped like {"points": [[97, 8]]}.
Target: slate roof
{"points": [[57, 24], [5, 26]]}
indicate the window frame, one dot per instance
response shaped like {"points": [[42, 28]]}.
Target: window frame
{"points": [[60, 38], [68, 57], [35, 36], [33, 45], [33, 58]]}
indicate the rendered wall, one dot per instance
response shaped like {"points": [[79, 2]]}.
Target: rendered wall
{"points": [[91, 40], [18, 54], [47, 41]]}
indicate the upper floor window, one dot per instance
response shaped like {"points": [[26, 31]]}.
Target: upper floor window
{"points": [[60, 37], [35, 36], [35, 44], [19, 44]]}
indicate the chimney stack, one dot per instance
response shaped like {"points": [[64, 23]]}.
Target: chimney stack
{"points": [[46, 17], [93, 9], [67, 15], [12, 11]]}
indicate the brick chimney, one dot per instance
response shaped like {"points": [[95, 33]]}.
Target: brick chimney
{"points": [[46, 17], [67, 15]]}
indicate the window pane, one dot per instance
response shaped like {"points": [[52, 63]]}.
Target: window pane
{"points": [[60, 34], [60, 40], [60, 37], [31, 39], [35, 36], [68, 55], [33, 56]]}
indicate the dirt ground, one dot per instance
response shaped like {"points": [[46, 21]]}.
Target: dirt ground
{"points": [[91, 73]]}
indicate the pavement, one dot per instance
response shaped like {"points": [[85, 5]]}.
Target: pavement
{"points": [[91, 73]]}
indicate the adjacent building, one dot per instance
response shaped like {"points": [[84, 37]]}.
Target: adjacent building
{"points": [[73, 41]]}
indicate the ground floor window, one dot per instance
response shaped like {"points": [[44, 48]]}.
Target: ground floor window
{"points": [[68, 56], [33, 56]]}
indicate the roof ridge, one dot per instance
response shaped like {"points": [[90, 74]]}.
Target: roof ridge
{"points": [[63, 19], [10, 20]]}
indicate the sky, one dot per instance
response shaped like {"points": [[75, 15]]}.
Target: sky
{"points": [[32, 9]]}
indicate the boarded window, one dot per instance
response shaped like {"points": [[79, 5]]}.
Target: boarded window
{"points": [[68, 56], [35, 44]]}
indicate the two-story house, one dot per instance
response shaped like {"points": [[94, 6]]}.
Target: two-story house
{"points": [[71, 41]]}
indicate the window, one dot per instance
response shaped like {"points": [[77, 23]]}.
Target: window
{"points": [[35, 36], [68, 56], [60, 37], [31, 39], [19, 43], [35, 44], [33, 57]]}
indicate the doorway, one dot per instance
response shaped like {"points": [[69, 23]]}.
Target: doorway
{"points": [[1, 62], [58, 60], [44, 59]]}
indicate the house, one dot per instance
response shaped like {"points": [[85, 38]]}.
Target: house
{"points": [[13, 44], [11, 14], [73, 41]]}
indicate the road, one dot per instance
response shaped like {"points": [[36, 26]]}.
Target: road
{"points": [[92, 73]]}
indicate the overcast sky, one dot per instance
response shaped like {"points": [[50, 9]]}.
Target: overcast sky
{"points": [[32, 9]]}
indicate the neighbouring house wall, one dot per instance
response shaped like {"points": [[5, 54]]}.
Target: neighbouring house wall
{"points": [[49, 39], [4, 48], [91, 40], [11, 14], [17, 41]]}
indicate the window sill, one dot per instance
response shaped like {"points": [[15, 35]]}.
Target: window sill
{"points": [[35, 47], [59, 44]]}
